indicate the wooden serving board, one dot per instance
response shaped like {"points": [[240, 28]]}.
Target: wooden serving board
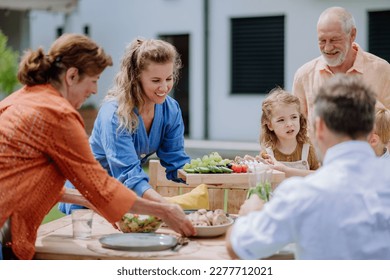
{"points": [[224, 178]]}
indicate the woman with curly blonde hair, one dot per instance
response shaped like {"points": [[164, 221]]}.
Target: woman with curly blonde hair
{"points": [[284, 139], [138, 118]]}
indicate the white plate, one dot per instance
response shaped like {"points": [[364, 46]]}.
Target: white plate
{"points": [[138, 241], [211, 231]]}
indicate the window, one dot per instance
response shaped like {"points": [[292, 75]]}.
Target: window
{"points": [[379, 34], [86, 30], [257, 54], [59, 31]]}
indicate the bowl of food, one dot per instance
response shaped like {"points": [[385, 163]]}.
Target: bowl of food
{"points": [[210, 223], [139, 223]]}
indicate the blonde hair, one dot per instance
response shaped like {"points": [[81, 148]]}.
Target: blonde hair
{"points": [[382, 124], [276, 97], [127, 89]]}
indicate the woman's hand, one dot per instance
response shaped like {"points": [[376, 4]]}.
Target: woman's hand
{"points": [[152, 195], [170, 213], [178, 221]]}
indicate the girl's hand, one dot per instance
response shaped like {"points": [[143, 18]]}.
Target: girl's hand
{"points": [[275, 164], [265, 158]]}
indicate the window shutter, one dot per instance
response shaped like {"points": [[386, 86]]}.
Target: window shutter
{"points": [[257, 54], [379, 34]]}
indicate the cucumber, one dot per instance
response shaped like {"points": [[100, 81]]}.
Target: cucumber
{"points": [[226, 170], [189, 170], [197, 169], [204, 170], [218, 169], [212, 169]]}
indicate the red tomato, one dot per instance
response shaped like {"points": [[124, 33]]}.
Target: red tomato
{"points": [[244, 168], [237, 168]]}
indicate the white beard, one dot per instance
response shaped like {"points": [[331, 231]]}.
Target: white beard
{"points": [[334, 62]]}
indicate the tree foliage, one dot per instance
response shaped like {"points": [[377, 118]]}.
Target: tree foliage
{"points": [[8, 66]]}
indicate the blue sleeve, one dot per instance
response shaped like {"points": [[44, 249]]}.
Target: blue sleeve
{"points": [[171, 151], [115, 150]]}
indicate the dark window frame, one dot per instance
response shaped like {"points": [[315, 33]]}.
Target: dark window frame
{"points": [[257, 54]]}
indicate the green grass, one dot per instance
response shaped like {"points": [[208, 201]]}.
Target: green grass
{"points": [[54, 214]]}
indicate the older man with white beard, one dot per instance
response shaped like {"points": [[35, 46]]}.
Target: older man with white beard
{"points": [[340, 54]]}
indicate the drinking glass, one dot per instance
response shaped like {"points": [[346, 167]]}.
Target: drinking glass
{"points": [[82, 223]]}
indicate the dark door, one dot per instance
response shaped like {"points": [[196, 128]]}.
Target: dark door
{"points": [[181, 91]]}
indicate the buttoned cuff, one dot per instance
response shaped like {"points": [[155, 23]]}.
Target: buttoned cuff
{"points": [[141, 187]]}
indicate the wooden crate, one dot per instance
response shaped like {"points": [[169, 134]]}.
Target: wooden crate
{"points": [[225, 192], [224, 178]]}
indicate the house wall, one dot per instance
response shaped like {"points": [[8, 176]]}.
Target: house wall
{"points": [[113, 24], [15, 22]]}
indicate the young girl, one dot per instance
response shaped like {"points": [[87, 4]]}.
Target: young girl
{"points": [[284, 139]]}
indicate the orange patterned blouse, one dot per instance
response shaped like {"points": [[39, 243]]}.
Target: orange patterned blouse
{"points": [[43, 143]]}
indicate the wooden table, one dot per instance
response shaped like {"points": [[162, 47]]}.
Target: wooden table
{"points": [[55, 241]]}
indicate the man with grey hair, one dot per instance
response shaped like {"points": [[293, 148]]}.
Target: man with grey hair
{"points": [[336, 32], [342, 210]]}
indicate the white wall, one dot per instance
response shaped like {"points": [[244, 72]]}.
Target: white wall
{"points": [[43, 26], [113, 24]]}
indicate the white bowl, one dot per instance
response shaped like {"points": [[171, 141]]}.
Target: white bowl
{"points": [[210, 231]]}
